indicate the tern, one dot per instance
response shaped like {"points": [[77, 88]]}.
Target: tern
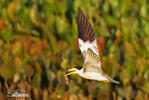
{"points": [[91, 68]]}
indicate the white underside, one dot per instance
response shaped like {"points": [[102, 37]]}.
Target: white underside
{"points": [[91, 75]]}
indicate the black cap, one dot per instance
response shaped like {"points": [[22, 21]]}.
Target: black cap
{"points": [[78, 67]]}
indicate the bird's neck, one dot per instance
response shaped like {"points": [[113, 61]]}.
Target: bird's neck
{"points": [[80, 72]]}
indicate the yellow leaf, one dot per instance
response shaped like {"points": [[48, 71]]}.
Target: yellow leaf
{"points": [[11, 9]]}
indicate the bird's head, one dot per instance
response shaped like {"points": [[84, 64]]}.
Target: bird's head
{"points": [[74, 70]]}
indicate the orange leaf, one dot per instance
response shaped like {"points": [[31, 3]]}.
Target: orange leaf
{"points": [[2, 23], [38, 67], [101, 43]]}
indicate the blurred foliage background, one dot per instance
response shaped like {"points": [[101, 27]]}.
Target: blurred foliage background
{"points": [[38, 41]]}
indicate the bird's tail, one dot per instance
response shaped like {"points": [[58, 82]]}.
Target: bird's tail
{"points": [[111, 80]]}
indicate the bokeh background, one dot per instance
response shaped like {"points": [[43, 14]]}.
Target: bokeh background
{"points": [[38, 41]]}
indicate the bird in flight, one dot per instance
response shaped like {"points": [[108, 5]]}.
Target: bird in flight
{"points": [[91, 68]]}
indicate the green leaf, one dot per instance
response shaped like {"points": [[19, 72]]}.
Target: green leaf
{"points": [[6, 34]]}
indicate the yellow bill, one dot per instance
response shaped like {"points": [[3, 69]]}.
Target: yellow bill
{"points": [[70, 71]]}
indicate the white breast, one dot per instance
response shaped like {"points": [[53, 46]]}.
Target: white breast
{"points": [[91, 75]]}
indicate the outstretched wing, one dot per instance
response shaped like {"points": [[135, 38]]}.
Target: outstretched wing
{"points": [[86, 35], [92, 62]]}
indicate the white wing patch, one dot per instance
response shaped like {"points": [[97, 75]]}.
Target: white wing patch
{"points": [[85, 45]]}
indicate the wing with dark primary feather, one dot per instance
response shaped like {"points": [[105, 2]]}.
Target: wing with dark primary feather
{"points": [[86, 34]]}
